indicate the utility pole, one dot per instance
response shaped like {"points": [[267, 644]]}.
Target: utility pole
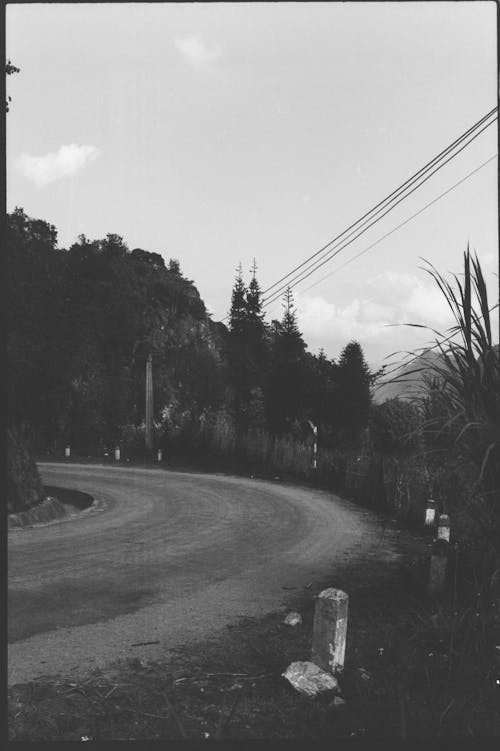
{"points": [[149, 402]]}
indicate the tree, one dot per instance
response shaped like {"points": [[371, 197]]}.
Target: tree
{"points": [[24, 485], [319, 390], [237, 350], [81, 324], [255, 329], [352, 397], [256, 351], [174, 266], [10, 69], [254, 315], [238, 311], [38, 329], [286, 384]]}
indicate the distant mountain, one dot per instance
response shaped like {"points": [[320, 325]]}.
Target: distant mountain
{"points": [[405, 383]]}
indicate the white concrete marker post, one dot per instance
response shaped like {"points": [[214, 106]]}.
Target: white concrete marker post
{"points": [[330, 630], [444, 528], [117, 454], [430, 513], [67, 452]]}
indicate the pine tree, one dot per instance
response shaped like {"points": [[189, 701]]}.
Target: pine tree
{"points": [[353, 393], [254, 302], [285, 402], [238, 312], [257, 351], [319, 388], [292, 336], [237, 350], [255, 328]]}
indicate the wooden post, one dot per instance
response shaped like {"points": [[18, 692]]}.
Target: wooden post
{"points": [[430, 513], [117, 454], [67, 452], [330, 630], [149, 402], [438, 566], [444, 528]]}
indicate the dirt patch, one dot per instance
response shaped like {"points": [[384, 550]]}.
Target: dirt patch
{"points": [[414, 669]]}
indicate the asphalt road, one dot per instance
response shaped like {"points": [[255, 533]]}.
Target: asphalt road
{"points": [[166, 557]]}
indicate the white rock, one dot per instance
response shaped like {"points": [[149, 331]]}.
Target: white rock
{"points": [[364, 675], [293, 619], [309, 679], [337, 703]]}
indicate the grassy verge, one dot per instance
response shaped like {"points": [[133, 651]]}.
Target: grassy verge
{"points": [[56, 504], [414, 669]]}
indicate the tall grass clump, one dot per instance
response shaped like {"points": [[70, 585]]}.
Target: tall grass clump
{"points": [[460, 404]]}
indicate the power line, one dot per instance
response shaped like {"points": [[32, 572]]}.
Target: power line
{"points": [[331, 254], [427, 205], [398, 190]]}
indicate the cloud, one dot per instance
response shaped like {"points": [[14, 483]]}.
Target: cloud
{"points": [[196, 52], [360, 319], [413, 300], [489, 263], [68, 160], [374, 316]]}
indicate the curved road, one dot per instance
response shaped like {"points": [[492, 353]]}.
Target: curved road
{"points": [[167, 557]]}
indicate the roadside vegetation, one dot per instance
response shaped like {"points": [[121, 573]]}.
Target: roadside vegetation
{"points": [[82, 322], [415, 669], [24, 485], [453, 422], [242, 397]]}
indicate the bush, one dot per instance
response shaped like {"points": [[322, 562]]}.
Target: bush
{"points": [[395, 427]]}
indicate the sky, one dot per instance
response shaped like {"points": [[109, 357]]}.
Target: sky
{"points": [[216, 133]]}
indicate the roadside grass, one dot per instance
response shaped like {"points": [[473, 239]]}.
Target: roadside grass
{"points": [[414, 669], [56, 503]]}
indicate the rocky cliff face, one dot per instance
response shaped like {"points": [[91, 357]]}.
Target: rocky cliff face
{"points": [[24, 486], [83, 322]]}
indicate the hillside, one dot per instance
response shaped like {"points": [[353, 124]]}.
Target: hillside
{"points": [[81, 323], [409, 379], [406, 382]]}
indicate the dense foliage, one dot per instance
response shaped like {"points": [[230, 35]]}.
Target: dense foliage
{"points": [[83, 320], [461, 404], [280, 387], [449, 432], [24, 486], [81, 324]]}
